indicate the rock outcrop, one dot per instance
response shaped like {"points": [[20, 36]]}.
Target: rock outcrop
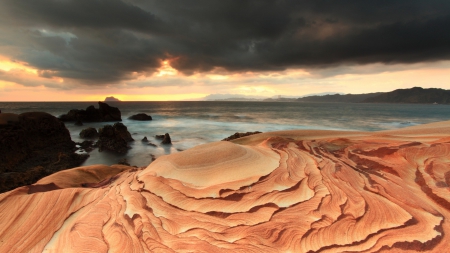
{"points": [[114, 138], [141, 117], [287, 191], [89, 133], [239, 135], [165, 138], [104, 113], [33, 145]]}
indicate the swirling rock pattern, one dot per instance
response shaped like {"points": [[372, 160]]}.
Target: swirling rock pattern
{"points": [[297, 191]]}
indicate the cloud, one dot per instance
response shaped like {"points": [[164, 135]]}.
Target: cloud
{"points": [[99, 42]]}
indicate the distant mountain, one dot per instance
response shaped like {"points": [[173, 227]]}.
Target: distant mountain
{"points": [[111, 99], [322, 94], [413, 95], [280, 99], [232, 97], [338, 98]]}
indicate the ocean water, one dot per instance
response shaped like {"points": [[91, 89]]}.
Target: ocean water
{"points": [[197, 122]]}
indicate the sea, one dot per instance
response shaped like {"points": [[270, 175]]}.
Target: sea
{"points": [[191, 123]]}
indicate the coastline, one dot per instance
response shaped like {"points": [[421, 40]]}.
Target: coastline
{"points": [[298, 191], [218, 120]]}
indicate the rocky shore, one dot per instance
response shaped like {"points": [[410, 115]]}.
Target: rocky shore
{"points": [[36, 144], [33, 145], [285, 191]]}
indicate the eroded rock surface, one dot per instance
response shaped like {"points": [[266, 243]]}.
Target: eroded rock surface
{"points": [[297, 191]]}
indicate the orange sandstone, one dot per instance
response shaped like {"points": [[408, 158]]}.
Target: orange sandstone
{"points": [[290, 191]]}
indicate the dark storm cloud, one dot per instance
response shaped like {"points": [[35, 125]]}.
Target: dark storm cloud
{"points": [[104, 41]]}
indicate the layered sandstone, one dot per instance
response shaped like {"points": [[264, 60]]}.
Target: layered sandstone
{"points": [[291, 191]]}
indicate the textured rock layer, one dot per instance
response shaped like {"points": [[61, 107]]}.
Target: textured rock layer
{"points": [[297, 191]]}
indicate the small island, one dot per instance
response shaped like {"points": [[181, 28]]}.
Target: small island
{"points": [[112, 99]]}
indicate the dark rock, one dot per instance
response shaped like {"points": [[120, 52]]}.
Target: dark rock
{"points": [[114, 138], [141, 117], [159, 137], [89, 133], [144, 139], [121, 130], [73, 115], [166, 139], [239, 135], [109, 113], [92, 114], [34, 145], [151, 144], [78, 123]]}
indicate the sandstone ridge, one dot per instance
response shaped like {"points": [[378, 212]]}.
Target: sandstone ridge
{"points": [[291, 191]]}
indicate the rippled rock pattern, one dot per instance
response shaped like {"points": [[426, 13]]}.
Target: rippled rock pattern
{"points": [[310, 192]]}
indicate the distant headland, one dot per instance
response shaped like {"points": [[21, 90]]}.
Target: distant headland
{"points": [[112, 99], [415, 95]]}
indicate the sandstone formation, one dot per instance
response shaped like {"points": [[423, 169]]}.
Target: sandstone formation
{"points": [[291, 191], [33, 145], [239, 135], [114, 138], [103, 114], [141, 117]]}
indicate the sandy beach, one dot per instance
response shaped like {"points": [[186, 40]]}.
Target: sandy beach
{"points": [[285, 191]]}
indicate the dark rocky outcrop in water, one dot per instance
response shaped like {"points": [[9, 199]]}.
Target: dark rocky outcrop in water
{"points": [[89, 133], [104, 113], [141, 117], [114, 138], [33, 145], [239, 135], [165, 138]]}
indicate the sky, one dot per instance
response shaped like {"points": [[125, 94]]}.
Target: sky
{"points": [[153, 50]]}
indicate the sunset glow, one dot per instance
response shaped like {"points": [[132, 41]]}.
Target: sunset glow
{"points": [[165, 52]]}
